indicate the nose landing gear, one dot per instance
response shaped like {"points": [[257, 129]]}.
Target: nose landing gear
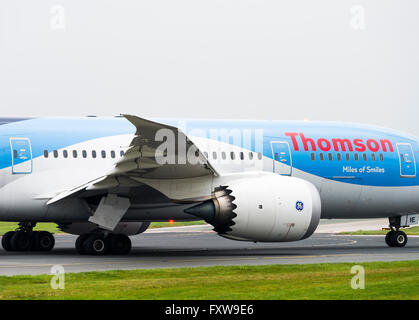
{"points": [[395, 237]]}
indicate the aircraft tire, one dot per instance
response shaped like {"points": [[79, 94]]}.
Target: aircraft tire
{"points": [[5, 240], [400, 239], [120, 244], [389, 238], [80, 243], [96, 244], [43, 241], [396, 239], [21, 241]]}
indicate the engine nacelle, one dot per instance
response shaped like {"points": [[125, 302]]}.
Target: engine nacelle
{"points": [[127, 228], [266, 208]]}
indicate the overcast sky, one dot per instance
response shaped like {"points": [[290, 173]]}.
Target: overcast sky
{"points": [[296, 59]]}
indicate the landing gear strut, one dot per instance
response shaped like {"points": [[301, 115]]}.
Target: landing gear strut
{"points": [[395, 237], [25, 239], [101, 244]]}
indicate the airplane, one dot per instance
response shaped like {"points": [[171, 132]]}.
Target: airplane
{"points": [[105, 179]]}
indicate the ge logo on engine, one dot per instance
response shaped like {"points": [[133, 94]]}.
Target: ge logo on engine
{"points": [[299, 206]]}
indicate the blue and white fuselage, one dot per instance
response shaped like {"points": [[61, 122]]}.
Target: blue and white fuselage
{"points": [[359, 171]]}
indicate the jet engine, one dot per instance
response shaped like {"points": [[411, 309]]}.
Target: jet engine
{"points": [[262, 208], [126, 228]]}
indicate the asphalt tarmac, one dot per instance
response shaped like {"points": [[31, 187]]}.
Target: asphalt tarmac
{"points": [[199, 246]]}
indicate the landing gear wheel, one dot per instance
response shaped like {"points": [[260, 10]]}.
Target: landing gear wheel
{"points": [[5, 240], [120, 244], [43, 241], [396, 239], [389, 238], [400, 239], [96, 244], [21, 241], [80, 243]]}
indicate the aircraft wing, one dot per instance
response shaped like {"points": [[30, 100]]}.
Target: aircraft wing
{"points": [[146, 159], [142, 157]]}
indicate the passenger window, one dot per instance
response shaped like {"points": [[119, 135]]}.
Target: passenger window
{"points": [[330, 156], [223, 155], [348, 157], [214, 155], [232, 156], [321, 156], [94, 155], [206, 154], [46, 154], [103, 154], [122, 153], [74, 153], [113, 154], [84, 154], [55, 154], [381, 157], [65, 154], [373, 157], [251, 155], [356, 156], [339, 157], [259, 155], [313, 156], [241, 155], [364, 157]]}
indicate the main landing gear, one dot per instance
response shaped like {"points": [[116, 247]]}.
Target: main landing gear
{"points": [[25, 239], [102, 244], [395, 237]]}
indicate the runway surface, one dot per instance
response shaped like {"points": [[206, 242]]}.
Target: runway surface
{"points": [[198, 246]]}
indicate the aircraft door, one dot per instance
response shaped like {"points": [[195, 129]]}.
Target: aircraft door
{"points": [[281, 154], [407, 160], [21, 155]]}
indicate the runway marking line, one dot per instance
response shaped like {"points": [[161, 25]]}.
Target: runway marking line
{"points": [[194, 260]]}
